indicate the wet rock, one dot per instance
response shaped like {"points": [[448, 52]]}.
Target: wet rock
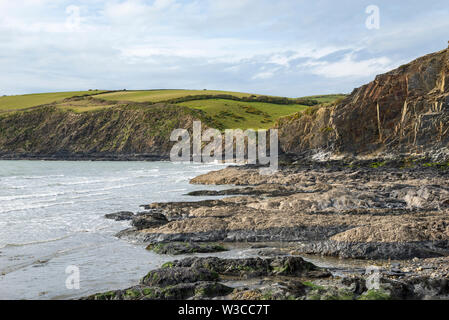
{"points": [[266, 190], [177, 248], [290, 290], [182, 291], [148, 220], [281, 278], [376, 250], [261, 235], [175, 275], [197, 278], [355, 284], [120, 216], [255, 267], [271, 253], [179, 210]]}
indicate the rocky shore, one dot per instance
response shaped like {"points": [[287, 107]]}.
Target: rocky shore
{"points": [[362, 210], [279, 278], [392, 212]]}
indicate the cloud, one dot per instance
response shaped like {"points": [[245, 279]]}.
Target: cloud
{"points": [[263, 75], [349, 67], [285, 47]]}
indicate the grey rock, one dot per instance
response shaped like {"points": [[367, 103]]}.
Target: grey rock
{"points": [[120, 216]]}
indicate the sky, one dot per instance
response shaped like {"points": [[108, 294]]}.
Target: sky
{"points": [[286, 47]]}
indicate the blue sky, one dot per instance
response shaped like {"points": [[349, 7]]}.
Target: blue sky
{"points": [[284, 47]]}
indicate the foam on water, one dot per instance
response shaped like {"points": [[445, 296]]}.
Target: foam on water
{"points": [[52, 216]]}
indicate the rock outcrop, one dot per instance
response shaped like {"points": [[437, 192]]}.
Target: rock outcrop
{"points": [[363, 209], [280, 278], [404, 111]]}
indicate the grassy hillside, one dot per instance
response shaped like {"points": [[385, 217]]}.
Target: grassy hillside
{"points": [[93, 124], [224, 108], [329, 98], [14, 103], [243, 115]]}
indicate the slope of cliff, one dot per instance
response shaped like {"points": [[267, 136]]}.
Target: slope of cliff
{"points": [[134, 131], [404, 111]]}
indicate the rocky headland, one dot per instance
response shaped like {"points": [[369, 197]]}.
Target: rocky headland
{"points": [[364, 179]]}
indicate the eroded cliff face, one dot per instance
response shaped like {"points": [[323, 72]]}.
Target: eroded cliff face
{"points": [[400, 112], [49, 131]]}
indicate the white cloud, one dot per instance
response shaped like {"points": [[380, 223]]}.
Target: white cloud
{"points": [[348, 67], [226, 44], [263, 75]]}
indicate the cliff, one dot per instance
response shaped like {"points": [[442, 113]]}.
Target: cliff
{"points": [[121, 132], [404, 111]]}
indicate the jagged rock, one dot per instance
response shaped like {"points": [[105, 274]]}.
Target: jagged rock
{"points": [[120, 216], [175, 275], [147, 220], [177, 248], [376, 250], [255, 267]]}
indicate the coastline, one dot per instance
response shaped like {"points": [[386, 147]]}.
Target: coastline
{"points": [[384, 212], [83, 157]]}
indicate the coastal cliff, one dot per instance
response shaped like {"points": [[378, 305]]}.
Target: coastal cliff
{"points": [[404, 111], [123, 132], [390, 205]]}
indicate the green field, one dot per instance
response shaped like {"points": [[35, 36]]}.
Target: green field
{"points": [[162, 95], [243, 115], [326, 99], [15, 103]]}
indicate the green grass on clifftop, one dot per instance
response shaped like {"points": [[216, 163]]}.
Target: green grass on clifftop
{"points": [[163, 95], [20, 102], [243, 115], [329, 98], [227, 110]]}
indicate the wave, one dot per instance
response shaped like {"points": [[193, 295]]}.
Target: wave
{"points": [[36, 207], [30, 196], [60, 193], [8, 245], [40, 177], [88, 182], [173, 190]]}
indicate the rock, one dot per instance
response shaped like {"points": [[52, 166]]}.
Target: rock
{"points": [[255, 267], [175, 275], [402, 111], [182, 291], [120, 216], [376, 250], [281, 278], [177, 248], [271, 253], [148, 220], [198, 278]]}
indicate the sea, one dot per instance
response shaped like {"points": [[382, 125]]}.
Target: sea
{"points": [[52, 225]]}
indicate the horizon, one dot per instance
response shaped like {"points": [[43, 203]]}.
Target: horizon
{"points": [[242, 46]]}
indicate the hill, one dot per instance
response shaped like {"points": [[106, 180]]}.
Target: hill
{"points": [[229, 109], [129, 124]]}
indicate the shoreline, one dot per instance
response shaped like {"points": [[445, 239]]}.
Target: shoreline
{"points": [[381, 212], [84, 157]]}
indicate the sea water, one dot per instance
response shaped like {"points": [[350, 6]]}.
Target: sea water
{"points": [[52, 218]]}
